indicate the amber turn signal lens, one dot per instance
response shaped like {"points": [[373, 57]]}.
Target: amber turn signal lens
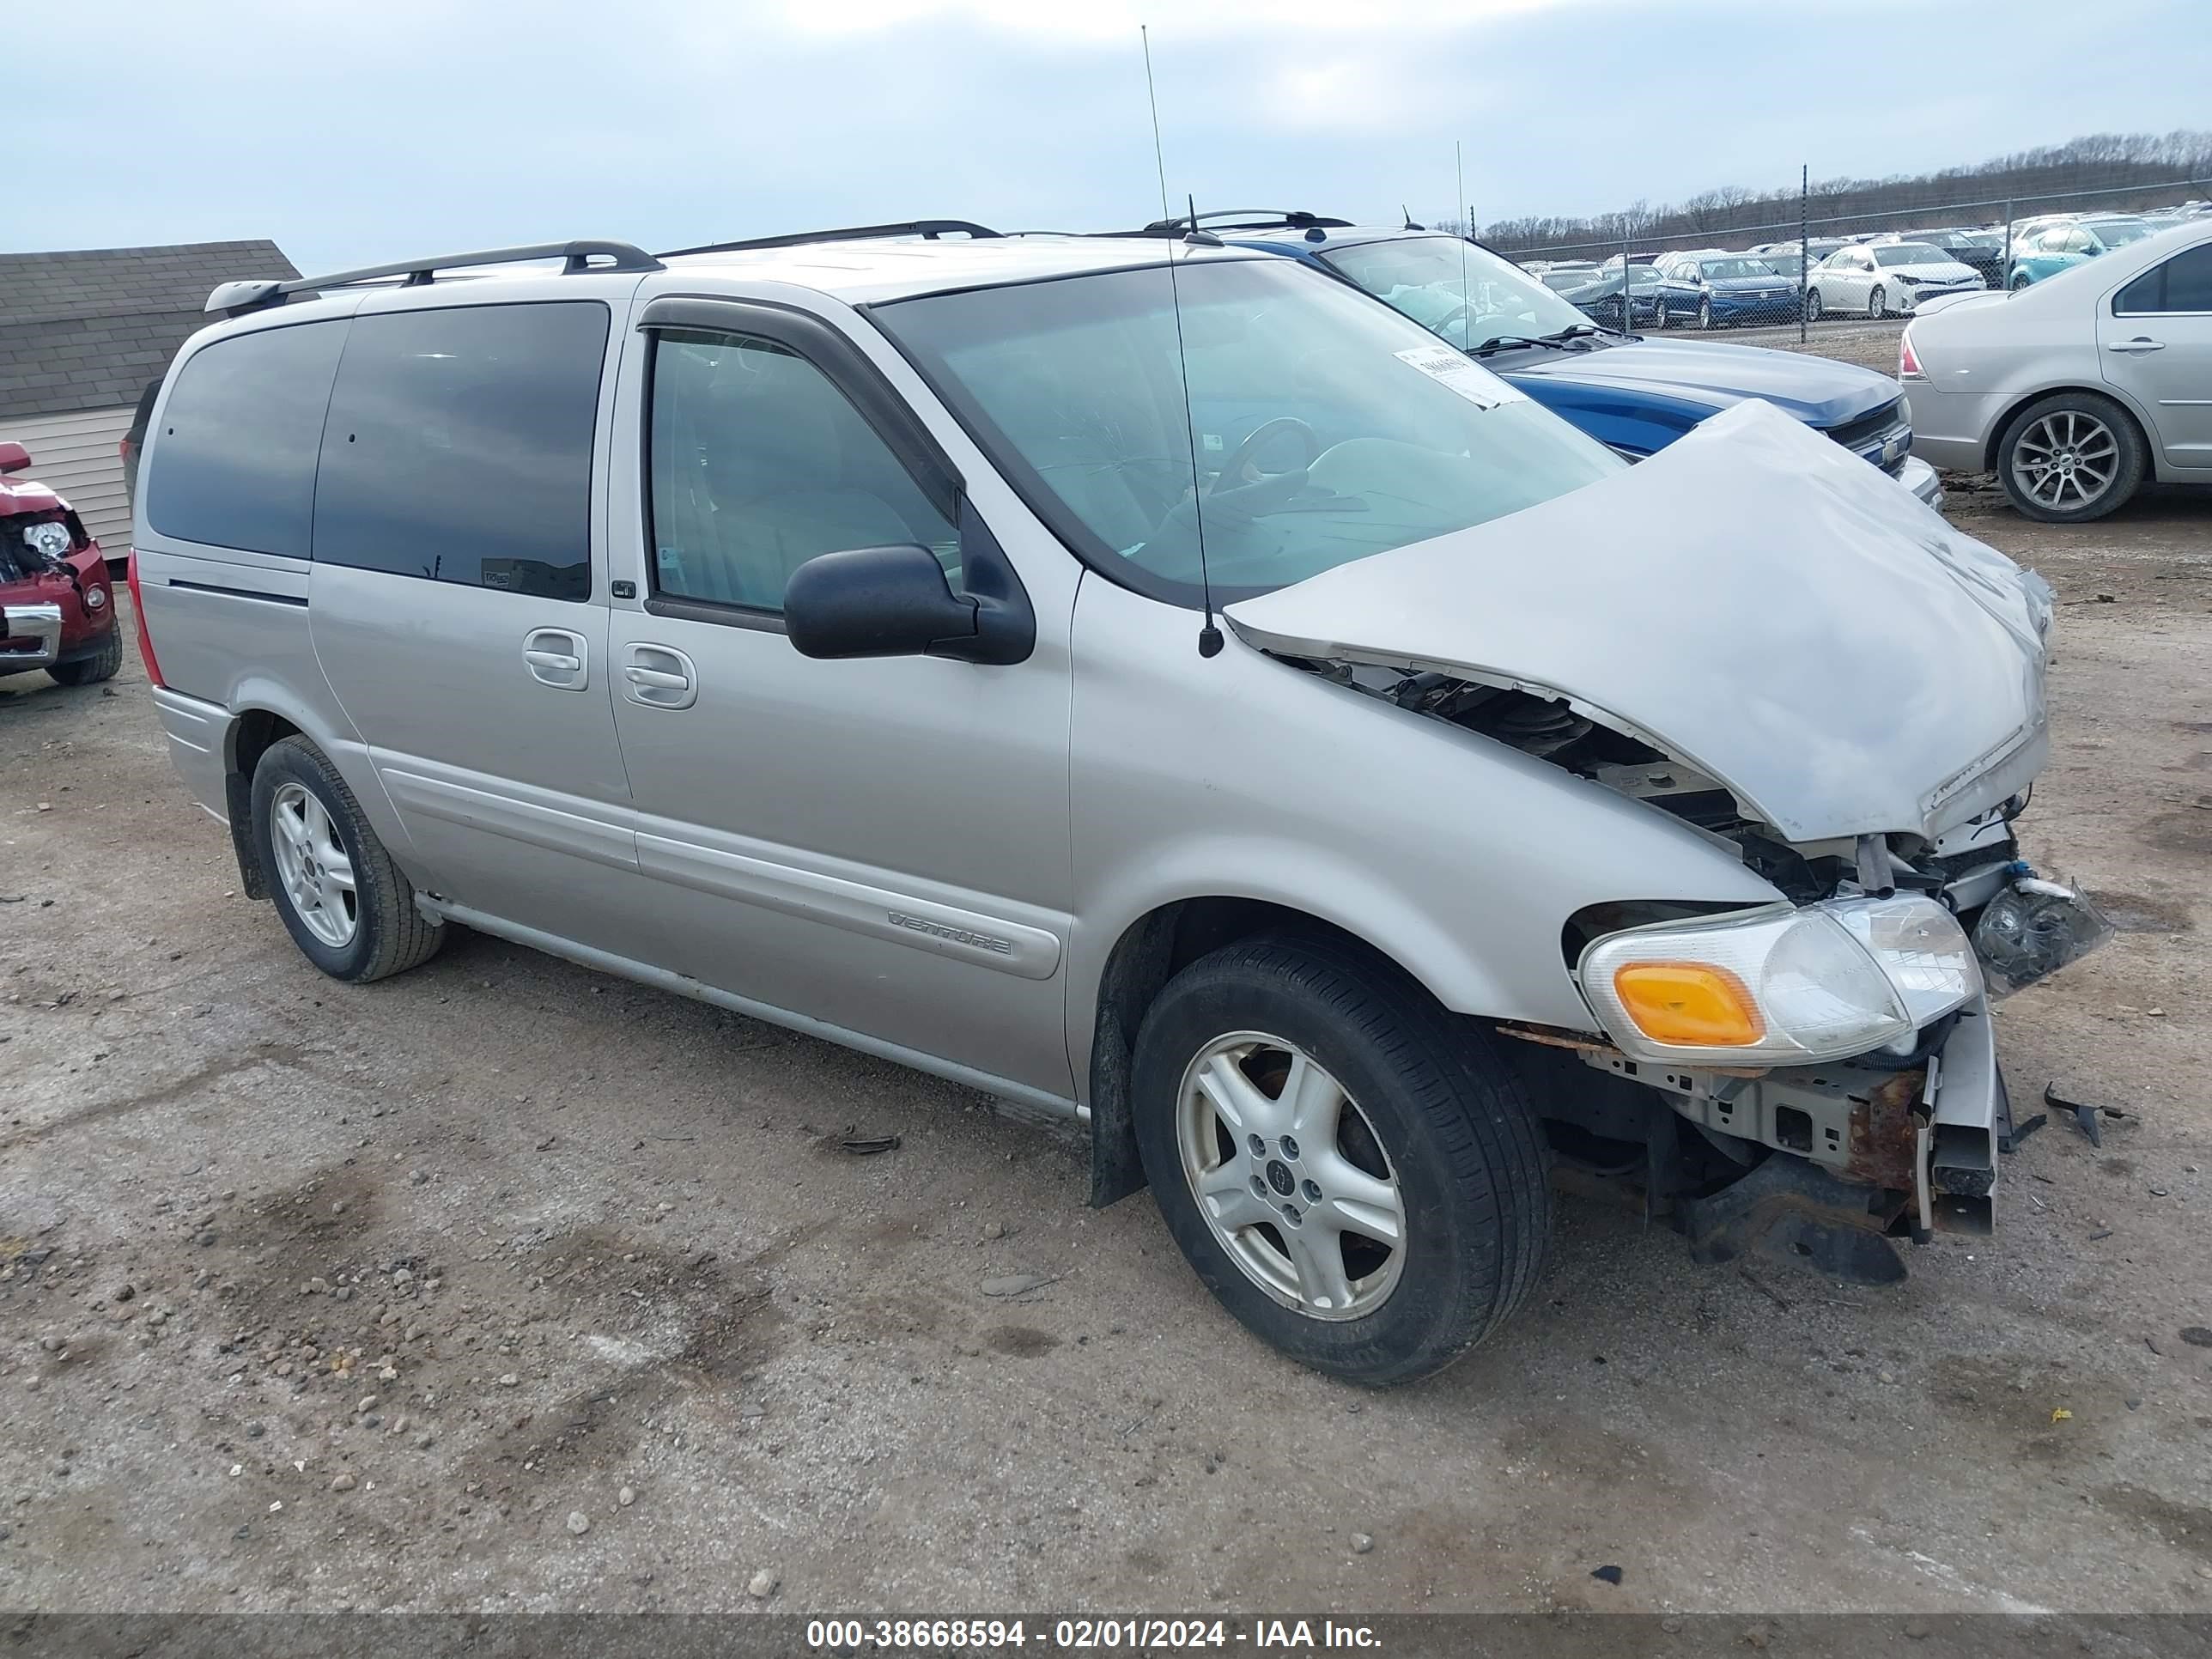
{"points": [[1688, 1004]]}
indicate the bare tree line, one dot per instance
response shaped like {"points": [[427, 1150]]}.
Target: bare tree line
{"points": [[2038, 179]]}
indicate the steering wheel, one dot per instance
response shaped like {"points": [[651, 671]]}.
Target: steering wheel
{"points": [[1462, 312], [1234, 467]]}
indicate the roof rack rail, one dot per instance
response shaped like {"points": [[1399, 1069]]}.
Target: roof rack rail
{"points": [[236, 299], [1254, 218], [928, 229]]}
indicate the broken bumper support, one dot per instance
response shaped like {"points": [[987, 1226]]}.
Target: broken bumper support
{"points": [[1865, 1154]]}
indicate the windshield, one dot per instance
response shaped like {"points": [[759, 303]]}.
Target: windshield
{"points": [[2118, 233], [1911, 254], [1467, 294], [1327, 429], [1723, 269]]}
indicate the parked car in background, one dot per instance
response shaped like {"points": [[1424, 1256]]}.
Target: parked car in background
{"points": [[1636, 395], [1783, 256], [2075, 390], [57, 608], [942, 666], [1561, 279], [2059, 247], [1599, 298], [1723, 290], [1889, 279], [1982, 251]]}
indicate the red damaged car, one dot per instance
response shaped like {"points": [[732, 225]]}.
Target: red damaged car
{"points": [[57, 608]]}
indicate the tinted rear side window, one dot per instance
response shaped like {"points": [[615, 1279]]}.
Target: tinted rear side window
{"points": [[458, 446], [2182, 283], [234, 463]]}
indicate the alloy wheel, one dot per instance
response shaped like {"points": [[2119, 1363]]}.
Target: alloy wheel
{"points": [[1875, 307], [2066, 460], [1290, 1176], [314, 866]]}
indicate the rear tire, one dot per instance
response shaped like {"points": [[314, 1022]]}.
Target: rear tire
{"points": [[2071, 458], [90, 671], [362, 926], [1414, 1118]]}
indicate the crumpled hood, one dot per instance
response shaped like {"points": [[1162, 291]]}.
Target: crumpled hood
{"points": [[1754, 601], [1815, 390], [26, 496]]}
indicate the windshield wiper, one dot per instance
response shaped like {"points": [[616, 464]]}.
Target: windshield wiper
{"points": [[1560, 337]]}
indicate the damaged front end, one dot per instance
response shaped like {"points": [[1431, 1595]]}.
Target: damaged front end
{"points": [[1800, 663]]}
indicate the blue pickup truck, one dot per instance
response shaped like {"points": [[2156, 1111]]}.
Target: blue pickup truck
{"points": [[1636, 395]]}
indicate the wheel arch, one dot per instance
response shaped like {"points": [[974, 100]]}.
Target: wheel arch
{"points": [[1149, 952], [251, 733], [2110, 393]]}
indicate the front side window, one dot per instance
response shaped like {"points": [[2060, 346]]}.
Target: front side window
{"points": [[1326, 428], [758, 463], [1467, 294], [458, 446], [233, 463], [2182, 283]]}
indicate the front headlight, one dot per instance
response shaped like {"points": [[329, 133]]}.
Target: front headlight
{"points": [[1781, 987], [50, 540]]}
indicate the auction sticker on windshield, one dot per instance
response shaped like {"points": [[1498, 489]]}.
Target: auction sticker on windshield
{"points": [[1443, 364]]}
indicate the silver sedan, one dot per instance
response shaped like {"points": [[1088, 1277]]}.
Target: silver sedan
{"points": [[2074, 391]]}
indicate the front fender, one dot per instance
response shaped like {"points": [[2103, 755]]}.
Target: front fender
{"points": [[1243, 776]]}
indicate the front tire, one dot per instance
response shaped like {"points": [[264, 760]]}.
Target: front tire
{"points": [[1705, 315], [2071, 458], [1353, 1172], [1877, 304], [1813, 305], [102, 665], [345, 903]]}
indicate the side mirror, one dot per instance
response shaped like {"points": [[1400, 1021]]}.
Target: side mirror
{"points": [[13, 458], [875, 602]]}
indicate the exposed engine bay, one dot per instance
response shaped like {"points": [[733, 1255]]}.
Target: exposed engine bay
{"points": [[34, 543], [1966, 866]]}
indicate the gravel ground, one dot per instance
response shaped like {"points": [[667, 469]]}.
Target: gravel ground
{"points": [[504, 1285]]}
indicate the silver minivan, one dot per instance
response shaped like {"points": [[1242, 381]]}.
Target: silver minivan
{"points": [[1183, 695]]}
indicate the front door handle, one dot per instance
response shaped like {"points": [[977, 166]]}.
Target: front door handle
{"points": [[660, 677], [2138, 344], [557, 658]]}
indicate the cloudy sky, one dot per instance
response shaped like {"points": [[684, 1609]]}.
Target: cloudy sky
{"points": [[355, 130]]}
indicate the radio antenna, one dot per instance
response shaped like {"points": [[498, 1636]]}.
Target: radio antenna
{"points": [[1466, 233], [1209, 635]]}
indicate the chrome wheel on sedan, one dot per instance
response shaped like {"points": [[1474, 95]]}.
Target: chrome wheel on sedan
{"points": [[1876, 306], [312, 864], [1290, 1176], [2071, 456]]}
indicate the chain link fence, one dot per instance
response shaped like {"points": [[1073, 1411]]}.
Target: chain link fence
{"points": [[1777, 268]]}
